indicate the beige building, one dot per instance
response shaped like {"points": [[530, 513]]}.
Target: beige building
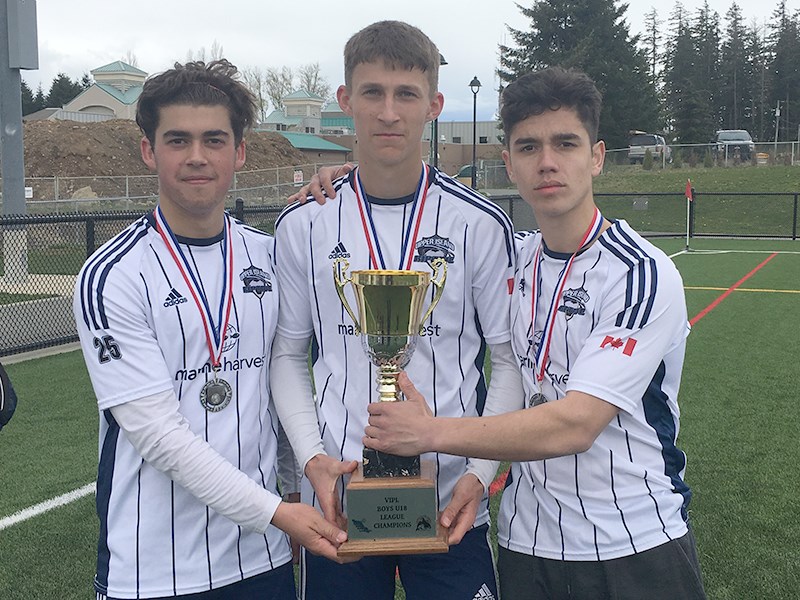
{"points": [[114, 93]]}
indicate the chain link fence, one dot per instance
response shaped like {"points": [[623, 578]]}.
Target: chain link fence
{"points": [[58, 195], [41, 255]]}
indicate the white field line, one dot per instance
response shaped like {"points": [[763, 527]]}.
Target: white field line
{"points": [[43, 507]]}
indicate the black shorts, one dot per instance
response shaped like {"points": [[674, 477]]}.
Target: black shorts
{"points": [[464, 573], [670, 571]]}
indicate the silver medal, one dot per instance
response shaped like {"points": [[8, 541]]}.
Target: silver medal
{"points": [[216, 395], [536, 400]]}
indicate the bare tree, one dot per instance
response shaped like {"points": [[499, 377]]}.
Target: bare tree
{"points": [[130, 59], [271, 85], [311, 80], [215, 53], [255, 78], [279, 83]]}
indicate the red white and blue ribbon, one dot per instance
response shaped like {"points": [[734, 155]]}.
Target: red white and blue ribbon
{"points": [[409, 240], [215, 334], [543, 351]]}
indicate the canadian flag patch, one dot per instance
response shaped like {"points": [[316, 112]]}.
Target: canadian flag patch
{"points": [[615, 343]]}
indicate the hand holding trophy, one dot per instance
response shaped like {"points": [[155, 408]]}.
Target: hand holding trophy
{"points": [[391, 499]]}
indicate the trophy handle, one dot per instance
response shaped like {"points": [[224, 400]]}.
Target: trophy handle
{"points": [[439, 266], [340, 279]]}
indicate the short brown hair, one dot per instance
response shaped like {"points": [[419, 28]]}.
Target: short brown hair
{"points": [[197, 84], [398, 45], [551, 89]]}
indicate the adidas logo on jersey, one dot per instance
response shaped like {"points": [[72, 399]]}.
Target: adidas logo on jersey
{"points": [[174, 299], [484, 594], [339, 252]]}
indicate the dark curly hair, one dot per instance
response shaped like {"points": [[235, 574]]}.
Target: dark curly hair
{"points": [[197, 84], [551, 89]]}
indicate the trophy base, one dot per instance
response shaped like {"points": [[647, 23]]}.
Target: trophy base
{"points": [[393, 515], [380, 464]]}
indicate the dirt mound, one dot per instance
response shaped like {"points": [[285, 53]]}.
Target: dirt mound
{"points": [[111, 148]]}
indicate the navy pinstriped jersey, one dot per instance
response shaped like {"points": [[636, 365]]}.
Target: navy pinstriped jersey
{"points": [[619, 335], [141, 334], [475, 238]]}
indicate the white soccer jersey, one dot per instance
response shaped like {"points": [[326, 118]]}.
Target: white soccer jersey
{"points": [[141, 334], [619, 334], [475, 238]]}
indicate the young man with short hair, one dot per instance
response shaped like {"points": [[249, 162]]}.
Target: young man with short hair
{"points": [[395, 212], [596, 505], [176, 316]]}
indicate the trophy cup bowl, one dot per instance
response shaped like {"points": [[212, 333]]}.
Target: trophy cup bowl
{"points": [[391, 499]]}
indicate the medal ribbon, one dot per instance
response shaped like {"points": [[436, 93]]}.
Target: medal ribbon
{"points": [[215, 336], [543, 351], [412, 229]]}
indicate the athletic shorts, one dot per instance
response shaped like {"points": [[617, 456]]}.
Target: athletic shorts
{"points": [[466, 572], [670, 571], [276, 584]]}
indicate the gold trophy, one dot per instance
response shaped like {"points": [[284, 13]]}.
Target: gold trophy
{"points": [[391, 500]]}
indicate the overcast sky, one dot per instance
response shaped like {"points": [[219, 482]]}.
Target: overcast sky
{"points": [[77, 36]]}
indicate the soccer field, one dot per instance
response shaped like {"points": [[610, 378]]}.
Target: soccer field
{"points": [[739, 422]]}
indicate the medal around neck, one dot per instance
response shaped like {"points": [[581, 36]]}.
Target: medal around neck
{"points": [[215, 395], [536, 399], [391, 500]]}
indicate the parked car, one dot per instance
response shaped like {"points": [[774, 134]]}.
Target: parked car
{"points": [[640, 142], [733, 143]]}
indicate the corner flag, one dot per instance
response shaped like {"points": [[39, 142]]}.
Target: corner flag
{"points": [[689, 200]]}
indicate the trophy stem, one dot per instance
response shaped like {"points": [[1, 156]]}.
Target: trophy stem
{"points": [[387, 383], [380, 464]]}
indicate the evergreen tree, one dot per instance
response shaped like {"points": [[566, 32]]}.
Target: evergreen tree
{"points": [[27, 99], [652, 41], [760, 117], [736, 76], [691, 77], [62, 90], [786, 72], [706, 35], [591, 35], [39, 100]]}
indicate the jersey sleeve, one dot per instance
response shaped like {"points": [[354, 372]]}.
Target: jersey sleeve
{"points": [[292, 256], [119, 345], [641, 319], [493, 275]]}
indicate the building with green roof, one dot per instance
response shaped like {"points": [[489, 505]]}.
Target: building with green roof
{"points": [[114, 93]]}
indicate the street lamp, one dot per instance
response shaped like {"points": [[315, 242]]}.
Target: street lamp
{"points": [[435, 129], [475, 86]]}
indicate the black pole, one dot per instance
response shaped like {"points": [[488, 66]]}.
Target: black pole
{"points": [[474, 131], [435, 144], [474, 86]]}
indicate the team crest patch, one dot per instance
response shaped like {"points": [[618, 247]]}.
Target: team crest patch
{"points": [[574, 302], [256, 281], [432, 247]]}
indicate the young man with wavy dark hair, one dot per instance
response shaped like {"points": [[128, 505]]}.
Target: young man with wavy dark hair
{"points": [[176, 316]]}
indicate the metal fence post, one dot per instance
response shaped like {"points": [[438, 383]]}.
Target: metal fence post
{"points": [[89, 236], [239, 210]]}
